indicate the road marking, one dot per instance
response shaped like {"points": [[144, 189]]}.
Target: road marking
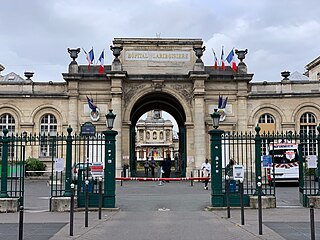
{"points": [[163, 209]]}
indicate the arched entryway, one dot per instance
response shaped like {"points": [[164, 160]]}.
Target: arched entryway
{"points": [[165, 102]]}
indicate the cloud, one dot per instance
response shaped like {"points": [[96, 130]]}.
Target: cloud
{"points": [[278, 34]]}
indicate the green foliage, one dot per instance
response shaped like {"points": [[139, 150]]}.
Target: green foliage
{"points": [[34, 164]]}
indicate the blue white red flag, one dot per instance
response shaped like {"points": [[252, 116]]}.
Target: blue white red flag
{"points": [[231, 59], [89, 57], [101, 60], [215, 60], [223, 67]]}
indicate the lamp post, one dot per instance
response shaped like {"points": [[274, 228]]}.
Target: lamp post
{"points": [[217, 197], [110, 165]]}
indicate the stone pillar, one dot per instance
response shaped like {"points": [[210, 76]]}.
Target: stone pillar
{"points": [[73, 93], [199, 117], [116, 105], [242, 81]]}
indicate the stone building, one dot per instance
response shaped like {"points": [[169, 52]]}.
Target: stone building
{"points": [[159, 74], [154, 137]]}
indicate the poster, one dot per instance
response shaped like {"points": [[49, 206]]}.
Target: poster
{"points": [[266, 161], [312, 161], [58, 164]]}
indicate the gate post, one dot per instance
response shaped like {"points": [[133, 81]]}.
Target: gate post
{"points": [[217, 197], [110, 163], [67, 191], [257, 158], [4, 170]]}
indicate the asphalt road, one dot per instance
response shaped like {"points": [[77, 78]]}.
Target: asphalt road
{"points": [[172, 211], [37, 194]]}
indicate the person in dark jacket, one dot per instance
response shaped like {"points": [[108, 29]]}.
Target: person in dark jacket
{"points": [[167, 167]]}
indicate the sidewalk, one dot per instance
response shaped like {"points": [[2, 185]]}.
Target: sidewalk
{"points": [[173, 211]]}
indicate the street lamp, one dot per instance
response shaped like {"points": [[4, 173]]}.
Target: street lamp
{"points": [[110, 119], [215, 118]]}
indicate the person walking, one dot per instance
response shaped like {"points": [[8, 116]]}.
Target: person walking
{"points": [[146, 167], [167, 167], [206, 170], [152, 166]]}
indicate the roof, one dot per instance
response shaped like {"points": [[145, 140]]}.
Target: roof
{"points": [[313, 63], [298, 76], [12, 77]]}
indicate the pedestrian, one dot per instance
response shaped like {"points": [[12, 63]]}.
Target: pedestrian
{"points": [[206, 170], [152, 166], [146, 167], [167, 167]]}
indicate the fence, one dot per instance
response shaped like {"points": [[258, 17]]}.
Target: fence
{"points": [[244, 148]]}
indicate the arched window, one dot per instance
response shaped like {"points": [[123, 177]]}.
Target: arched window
{"points": [[7, 122], [266, 118], [308, 126], [48, 129], [267, 125]]}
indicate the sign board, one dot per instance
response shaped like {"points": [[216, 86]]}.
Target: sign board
{"points": [[312, 161], [238, 172], [88, 129], [266, 161], [97, 170], [59, 164]]}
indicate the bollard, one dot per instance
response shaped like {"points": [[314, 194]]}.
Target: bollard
{"points": [[241, 201], [87, 204], [100, 197], [21, 223], [160, 176], [313, 234], [71, 209], [227, 197], [122, 175], [191, 179], [259, 208]]}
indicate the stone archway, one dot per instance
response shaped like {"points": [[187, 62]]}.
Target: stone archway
{"points": [[165, 102]]}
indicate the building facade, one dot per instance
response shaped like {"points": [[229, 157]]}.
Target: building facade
{"points": [[158, 74]]}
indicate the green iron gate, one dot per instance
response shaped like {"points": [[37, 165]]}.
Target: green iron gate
{"points": [[247, 149], [12, 166]]}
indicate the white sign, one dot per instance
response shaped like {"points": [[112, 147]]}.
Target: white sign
{"points": [[312, 161], [59, 164], [158, 56], [238, 172]]}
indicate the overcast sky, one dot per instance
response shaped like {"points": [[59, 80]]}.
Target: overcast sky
{"points": [[279, 34]]}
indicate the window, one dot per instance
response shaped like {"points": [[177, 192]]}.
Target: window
{"points": [[267, 125], [308, 127], [48, 129], [7, 121], [266, 118]]}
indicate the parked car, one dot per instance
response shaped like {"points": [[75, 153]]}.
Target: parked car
{"points": [[81, 166]]}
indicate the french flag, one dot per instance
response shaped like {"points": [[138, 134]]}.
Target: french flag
{"points": [[215, 60], [101, 60], [223, 67], [89, 57], [231, 59]]}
